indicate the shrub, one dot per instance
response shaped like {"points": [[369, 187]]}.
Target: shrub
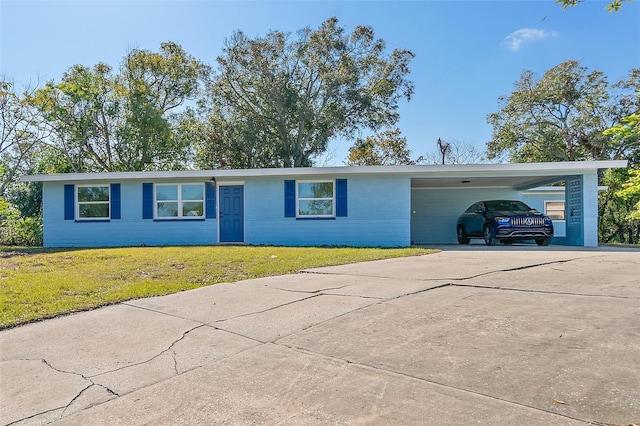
{"points": [[16, 230]]}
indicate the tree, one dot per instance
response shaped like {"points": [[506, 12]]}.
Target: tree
{"points": [[560, 117], [276, 100], [387, 148], [628, 133], [618, 207], [102, 121], [625, 138], [613, 6], [456, 152], [630, 191], [21, 132]]}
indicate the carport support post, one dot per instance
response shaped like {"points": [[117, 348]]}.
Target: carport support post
{"points": [[590, 208], [581, 209], [574, 210]]}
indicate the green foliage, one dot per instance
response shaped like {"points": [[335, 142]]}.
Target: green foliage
{"points": [[562, 117], [542, 120], [618, 206], [277, 100], [27, 196], [16, 230], [630, 192], [106, 121], [387, 148], [622, 203], [21, 134], [39, 284], [625, 138], [613, 6], [4, 208]]}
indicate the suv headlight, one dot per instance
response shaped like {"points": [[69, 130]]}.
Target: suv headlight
{"points": [[502, 219], [547, 220]]}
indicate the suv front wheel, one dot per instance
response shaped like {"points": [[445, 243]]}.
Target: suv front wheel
{"points": [[543, 241], [489, 238]]}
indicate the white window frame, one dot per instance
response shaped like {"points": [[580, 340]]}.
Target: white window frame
{"points": [[78, 202], [332, 198], [546, 202], [179, 201]]}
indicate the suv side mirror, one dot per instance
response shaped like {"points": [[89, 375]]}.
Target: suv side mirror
{"points": [[479, 211]]}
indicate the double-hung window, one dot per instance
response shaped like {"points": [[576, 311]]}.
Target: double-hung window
{"points": [[315, 199], [179, 201], [93, 202], [554, 209]]}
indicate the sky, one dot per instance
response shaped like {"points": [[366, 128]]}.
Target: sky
{"points": [[468, 53]]}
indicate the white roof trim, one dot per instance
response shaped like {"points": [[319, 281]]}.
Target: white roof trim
{"points": [[542, 169]]}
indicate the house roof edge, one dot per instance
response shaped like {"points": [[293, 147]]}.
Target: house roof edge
{"points": [[567, 166]]}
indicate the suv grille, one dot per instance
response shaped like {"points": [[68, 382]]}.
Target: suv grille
{"points": [[527, 221]]}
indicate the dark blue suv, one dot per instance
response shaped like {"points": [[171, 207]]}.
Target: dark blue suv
{"points": [[504, 221]]}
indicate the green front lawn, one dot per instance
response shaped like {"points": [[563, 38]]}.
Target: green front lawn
{"points": [[43, 283]]}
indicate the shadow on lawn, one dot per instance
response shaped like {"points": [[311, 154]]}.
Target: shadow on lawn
{"points": [[7, 252]]}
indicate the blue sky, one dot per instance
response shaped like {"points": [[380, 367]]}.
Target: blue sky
{"points": [[468, 53]]}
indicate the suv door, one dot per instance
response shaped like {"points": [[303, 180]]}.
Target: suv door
{"points": [[476, 219]]}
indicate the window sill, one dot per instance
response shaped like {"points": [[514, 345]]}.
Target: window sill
{"points": [[91, 220], [316, 218], [181, 219]]}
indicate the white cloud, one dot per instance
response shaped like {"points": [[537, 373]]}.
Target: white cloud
{"points": [[517, 39]]}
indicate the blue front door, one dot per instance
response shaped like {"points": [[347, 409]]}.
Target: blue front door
{"points": [[231, 214]]}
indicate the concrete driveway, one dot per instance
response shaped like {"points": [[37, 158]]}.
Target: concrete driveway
{"points": [[510, 335]]}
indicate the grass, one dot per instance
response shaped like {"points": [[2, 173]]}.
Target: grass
{"points": [[42, 283]]}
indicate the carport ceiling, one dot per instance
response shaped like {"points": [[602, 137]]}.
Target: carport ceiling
{"points": [[517, 182]]}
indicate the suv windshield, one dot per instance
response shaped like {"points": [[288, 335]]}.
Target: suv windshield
{"points": [[502, 205]]}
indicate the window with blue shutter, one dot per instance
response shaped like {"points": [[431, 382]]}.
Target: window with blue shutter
{"points": [[324, 199]]}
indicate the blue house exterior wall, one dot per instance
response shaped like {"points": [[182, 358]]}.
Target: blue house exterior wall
{"points": [[129, 230], [385, 206], [377, 215]]}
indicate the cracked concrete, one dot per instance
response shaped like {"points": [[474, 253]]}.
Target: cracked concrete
{"points": [[527, 335]]}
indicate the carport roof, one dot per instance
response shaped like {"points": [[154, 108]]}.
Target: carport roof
{"points": [[520, 176], [514, 175]]}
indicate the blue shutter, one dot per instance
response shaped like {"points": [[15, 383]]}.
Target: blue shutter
{"points": [[115, 201], [289, 198], [69, 202], [341, 197], [210, 196], [147, 201]]}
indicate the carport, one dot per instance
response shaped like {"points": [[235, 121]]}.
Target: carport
{"points": [[441, 193]]}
